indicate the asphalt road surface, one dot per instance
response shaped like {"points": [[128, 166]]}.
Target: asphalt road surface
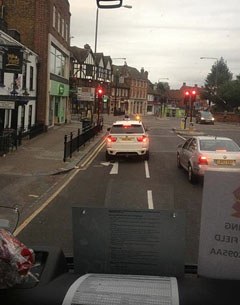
{"points": [[131, 184]]}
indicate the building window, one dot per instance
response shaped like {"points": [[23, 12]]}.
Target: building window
{"points": [[54, 16], [58, 62], [59, 23], [24, 76], [1, 71], [66, 32], [31, 79], [63, 28]]}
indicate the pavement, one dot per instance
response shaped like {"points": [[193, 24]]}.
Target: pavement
{"points": [[43, 155]]}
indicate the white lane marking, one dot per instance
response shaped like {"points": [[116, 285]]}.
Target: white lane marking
{"points": [[114, 170], [150, 200], [105, 163], [181, 137], [147, 169]]}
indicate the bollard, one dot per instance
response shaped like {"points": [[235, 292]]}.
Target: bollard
{"points": [[191, 126], [182, 123]]}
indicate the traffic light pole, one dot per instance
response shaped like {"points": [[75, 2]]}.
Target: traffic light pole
{"points": [[191, 110], [98, 110], [192, 100], [189, 99]]}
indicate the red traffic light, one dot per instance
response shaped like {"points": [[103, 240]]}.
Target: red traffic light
{"points": [[193, 95], [186, 97], [99, 92]]}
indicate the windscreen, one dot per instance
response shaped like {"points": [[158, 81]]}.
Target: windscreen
{"points": [[121, 129], [213, 145], [206, 115]]}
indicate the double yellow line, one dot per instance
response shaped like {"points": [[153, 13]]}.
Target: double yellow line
{"points": [[83, 166]]}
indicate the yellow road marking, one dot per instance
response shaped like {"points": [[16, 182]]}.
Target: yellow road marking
{"points": [[53, 196]]}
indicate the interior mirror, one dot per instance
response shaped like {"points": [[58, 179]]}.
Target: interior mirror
{"points": [[109, 3]]}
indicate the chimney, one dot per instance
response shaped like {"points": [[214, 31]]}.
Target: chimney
{"points": [[146, 74], [184, 84], [142, 71], [87, 46]]}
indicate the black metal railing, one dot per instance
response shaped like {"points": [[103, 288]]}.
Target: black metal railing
{"points": [[33, 132], [10, 139], [36, 130], [73, 143]]}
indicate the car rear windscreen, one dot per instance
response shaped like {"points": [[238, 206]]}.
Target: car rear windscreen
{"points": [[121, 129], [213, 145]]}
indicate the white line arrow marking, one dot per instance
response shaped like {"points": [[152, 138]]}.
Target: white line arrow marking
{"points": [[114, 170]]}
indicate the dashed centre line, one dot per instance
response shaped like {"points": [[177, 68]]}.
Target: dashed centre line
{"points": [[150, 200], [147, 169]]}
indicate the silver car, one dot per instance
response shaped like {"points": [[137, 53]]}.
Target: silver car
{"points": [[201, 153], [204, 117]]}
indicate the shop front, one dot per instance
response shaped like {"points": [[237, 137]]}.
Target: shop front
{"points": [[58, 108]]}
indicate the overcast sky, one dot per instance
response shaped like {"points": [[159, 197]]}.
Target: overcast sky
{"points": [[166, 37]]}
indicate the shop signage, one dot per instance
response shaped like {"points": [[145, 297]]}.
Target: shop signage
{"points": [[13, 59], [61, 89], [7, 105], [219, 248], [85, 94]]}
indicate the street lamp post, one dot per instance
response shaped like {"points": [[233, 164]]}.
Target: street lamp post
{"points": [[96, 27], [115, 93]]}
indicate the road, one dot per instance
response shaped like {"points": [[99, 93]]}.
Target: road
{"points": [[128, 183]]}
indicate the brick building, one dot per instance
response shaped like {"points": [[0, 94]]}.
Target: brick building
{"points": [[129, 92], [44, 27]]}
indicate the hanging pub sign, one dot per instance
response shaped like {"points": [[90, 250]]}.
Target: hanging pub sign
{"points": [[13, 59]]}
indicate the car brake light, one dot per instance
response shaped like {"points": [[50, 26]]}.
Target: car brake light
{"points": [[202, 160], [111, 139], [142, 139]]}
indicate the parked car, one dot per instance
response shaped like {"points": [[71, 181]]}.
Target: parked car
{"points": [[204, 117], [201, 153], [127, 138]]}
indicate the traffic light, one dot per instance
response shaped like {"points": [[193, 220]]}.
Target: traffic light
{"points": [[186, 97], [99, 92], [193, 96]]}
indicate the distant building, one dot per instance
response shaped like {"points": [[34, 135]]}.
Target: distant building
{"points": [[89, 71], [44, 28], [129, 91]]}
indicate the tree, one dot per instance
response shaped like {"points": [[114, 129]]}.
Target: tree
{"points": [[230, 93], [219, 75]]}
